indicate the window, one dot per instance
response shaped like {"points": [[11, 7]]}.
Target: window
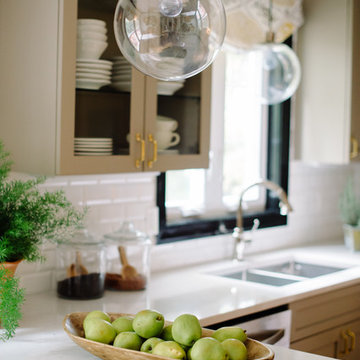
{"points": [[249, 141]]}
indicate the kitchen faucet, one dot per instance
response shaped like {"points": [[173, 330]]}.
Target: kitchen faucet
{"points": [[238, 232]]}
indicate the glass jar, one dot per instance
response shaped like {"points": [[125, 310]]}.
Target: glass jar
{"points": [[129, 268], [81, 267]]}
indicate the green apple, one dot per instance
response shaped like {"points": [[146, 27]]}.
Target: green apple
{"points": [[128, 340], [186, 329], [208, 348], [149, 344], [99, 330], [235, 348], [166, 333], [148, 323], [229, 332], [123, 323], [169, 349]]}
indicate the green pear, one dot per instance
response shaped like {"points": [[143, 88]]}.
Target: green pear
{"points": [[128, 340], [148, 323], [235, 349], [99, 330], [149, 344], [188, 354], [186, 329], [229, 332], [123, 323], [166, 333], [169, 349], [208, 348], [98, 314]]}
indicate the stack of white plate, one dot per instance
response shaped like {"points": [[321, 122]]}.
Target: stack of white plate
{"points": [[93, 146], [91, 73], [121, 74]]}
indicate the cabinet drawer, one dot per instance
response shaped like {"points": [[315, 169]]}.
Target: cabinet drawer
{"points": [[322, 312], [335, 343]]}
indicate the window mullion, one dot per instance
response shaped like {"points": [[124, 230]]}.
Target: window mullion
{"points": [[214, 175]]}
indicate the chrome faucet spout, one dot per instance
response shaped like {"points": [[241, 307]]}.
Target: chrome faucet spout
{"points": [[238, 232]]}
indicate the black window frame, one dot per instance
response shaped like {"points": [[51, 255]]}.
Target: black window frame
{"points": [[278, 143]]}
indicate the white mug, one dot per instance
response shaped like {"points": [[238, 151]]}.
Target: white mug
{"points": [[164, 123], [166, 139]]}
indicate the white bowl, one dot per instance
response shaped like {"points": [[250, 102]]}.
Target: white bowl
{"points": [[91, 27], [91, 84], [91, 22], [90, 49], [168, 88], [94, 35]]}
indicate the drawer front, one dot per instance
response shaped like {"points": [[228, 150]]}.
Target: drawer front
{"points": [[325, 311]]}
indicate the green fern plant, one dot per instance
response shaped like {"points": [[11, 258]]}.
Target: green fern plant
{"points": [[28, 217], [349, 205], [11, 300]]}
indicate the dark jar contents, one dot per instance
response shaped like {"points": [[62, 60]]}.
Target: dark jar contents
{"points": [[82, 287], [81, 267]]}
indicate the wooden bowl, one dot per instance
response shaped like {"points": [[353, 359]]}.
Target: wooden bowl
{"points": [[73, 327]]}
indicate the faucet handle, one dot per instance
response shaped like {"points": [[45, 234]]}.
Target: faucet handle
{"points": [[256, 224], [249, 234]]}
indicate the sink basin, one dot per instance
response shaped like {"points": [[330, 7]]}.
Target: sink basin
{"points": [[261, 278], [301, 269], [285, 272]]}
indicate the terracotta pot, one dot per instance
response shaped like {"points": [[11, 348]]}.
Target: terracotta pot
{"points": [[11, 266]]}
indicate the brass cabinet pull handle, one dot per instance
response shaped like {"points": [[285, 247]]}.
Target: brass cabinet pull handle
{"points": [[354, 152], [140, 140], [346, 345], [351, 334], [154, 142]]}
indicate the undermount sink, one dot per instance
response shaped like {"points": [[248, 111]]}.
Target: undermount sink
{"points": [[260, 277], [302, 269], [281, 273]]}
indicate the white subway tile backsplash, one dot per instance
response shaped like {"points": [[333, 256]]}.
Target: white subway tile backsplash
{"points": [[37, 282], [314, 192]]}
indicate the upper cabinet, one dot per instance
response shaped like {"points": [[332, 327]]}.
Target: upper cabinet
{"points": [[53, 120], [327, 122]]}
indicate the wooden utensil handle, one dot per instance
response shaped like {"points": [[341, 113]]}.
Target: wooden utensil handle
{"points": [[122, 254]]}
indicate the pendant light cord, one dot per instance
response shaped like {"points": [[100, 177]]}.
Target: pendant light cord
{"points": [[270, 36], [270, 15]]}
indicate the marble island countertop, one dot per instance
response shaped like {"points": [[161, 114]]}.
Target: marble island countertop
{"points": [[193, 290]]}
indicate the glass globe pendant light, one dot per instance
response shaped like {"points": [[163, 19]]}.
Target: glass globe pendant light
{"points": [[170, 39], [280, 69]]}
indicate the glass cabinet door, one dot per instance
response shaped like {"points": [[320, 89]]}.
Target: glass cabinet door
{"points": [[106, 134], [177, 117]]}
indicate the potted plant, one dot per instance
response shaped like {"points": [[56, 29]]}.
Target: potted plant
{"points": [[28, 217], [350, 215]]}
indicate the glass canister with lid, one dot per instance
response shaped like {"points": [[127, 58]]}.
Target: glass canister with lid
{"points": [[130, 269], [81, 267]]}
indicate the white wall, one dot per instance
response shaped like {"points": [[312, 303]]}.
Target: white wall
{"points": [[313, 192]]}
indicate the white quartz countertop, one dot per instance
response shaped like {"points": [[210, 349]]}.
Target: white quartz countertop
{"points": [[192, 290]]}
